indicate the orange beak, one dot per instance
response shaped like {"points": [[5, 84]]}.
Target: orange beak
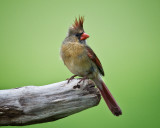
{"points": [[84, 36]]}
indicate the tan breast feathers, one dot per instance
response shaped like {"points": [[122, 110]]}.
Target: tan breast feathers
{"points": [[72, 49]]}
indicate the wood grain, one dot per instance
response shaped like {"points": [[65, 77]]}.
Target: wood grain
{"points": [[38, 104]]}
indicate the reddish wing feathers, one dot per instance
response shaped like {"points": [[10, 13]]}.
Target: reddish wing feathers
{"points": [[78, 23], [95, 59]]}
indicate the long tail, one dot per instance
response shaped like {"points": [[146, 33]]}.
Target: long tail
{"points": [[109, 99]]}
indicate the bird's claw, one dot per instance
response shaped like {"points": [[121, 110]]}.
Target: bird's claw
{"points": [[82, 79], [71, 78]]}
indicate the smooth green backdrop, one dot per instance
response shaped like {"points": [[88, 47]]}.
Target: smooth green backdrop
{"points": [[125, 35]]}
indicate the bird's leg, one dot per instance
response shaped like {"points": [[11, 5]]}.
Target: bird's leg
{"points": [[83, 79], [71, 78]]}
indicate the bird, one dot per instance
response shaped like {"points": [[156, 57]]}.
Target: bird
{"points": [[81, 60]]}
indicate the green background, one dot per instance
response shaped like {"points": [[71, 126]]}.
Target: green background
{"points": [[125, 35]]}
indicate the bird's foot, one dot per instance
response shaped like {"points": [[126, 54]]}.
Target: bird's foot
{"points": [[82, 79], [71, 78]]}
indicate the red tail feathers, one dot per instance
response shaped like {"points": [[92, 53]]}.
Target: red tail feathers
{"points": [[109, 99]]}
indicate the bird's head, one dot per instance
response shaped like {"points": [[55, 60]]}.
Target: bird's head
{"points": [[77, 31]]}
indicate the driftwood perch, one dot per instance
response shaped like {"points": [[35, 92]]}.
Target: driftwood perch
{"points": [[38, 104]]}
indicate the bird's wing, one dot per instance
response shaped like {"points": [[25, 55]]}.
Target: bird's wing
{"points": [[95, 59]]}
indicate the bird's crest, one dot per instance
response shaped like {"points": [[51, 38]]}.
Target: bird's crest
{"points": [[78, 23]]}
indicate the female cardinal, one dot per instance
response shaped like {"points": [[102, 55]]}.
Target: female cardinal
{"points": [[82, 61]]}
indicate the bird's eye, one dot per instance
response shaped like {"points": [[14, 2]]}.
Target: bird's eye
{"points": [[79, 34]]}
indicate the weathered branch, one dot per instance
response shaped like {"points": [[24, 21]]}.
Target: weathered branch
{"points": [[38, 104]]}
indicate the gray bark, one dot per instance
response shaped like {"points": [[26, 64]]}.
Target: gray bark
{"points": [[38, 104]]}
